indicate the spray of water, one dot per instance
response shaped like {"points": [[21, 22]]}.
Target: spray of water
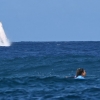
{"points": [[3, 38]]}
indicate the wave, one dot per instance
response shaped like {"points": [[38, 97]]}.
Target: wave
{"points": [[46, 65], [51, 87]]}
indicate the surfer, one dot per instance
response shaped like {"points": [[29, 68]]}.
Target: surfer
{"points": [[80, 73]]}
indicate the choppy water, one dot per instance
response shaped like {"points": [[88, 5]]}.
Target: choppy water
{"points": [[37, 70]]}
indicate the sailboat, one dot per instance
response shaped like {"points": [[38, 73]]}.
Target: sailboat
{"points": [[3, 38]]}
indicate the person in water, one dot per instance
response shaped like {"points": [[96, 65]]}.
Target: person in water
{"points": [[80, 73]]}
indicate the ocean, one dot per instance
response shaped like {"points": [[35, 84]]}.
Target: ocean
{"points": [[38, 70]]}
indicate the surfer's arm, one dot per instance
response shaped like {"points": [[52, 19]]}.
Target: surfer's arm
{"points": [[70, 76]]}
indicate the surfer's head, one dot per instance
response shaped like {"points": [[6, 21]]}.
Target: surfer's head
{"points": [[80, 71]]}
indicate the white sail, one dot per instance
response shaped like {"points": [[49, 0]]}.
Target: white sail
{"points": [[3, 38]]}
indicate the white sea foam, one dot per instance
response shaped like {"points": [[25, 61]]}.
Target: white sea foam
{"points": [[3, 38]]}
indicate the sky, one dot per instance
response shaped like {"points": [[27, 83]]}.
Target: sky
{"points": [[51, 20]]}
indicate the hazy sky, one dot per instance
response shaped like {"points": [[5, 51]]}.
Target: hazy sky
{"points": [[51, 20]]}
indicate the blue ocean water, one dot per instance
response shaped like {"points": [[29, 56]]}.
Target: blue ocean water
{"points": [[38, 70]]}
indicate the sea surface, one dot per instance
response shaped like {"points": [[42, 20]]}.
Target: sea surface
{"points": [[38, 70]]}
